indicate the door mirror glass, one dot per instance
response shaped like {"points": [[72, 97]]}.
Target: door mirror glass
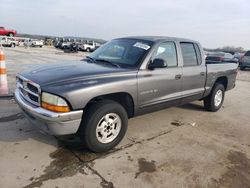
{"points": [[157, 63]]}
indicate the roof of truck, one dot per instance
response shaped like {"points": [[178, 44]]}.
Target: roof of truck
{"points": [[159, 38]]}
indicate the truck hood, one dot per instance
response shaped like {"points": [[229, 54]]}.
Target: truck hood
{"points": [[70, 71]]}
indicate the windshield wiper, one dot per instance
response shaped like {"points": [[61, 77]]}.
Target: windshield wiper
{"points": [[106, 61], [92, 60]]}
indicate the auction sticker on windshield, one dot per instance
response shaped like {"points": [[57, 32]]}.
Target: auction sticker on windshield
{"points": [[141, 45]]}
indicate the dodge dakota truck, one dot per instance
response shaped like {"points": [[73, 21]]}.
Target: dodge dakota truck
{"points": [[124, 78]]}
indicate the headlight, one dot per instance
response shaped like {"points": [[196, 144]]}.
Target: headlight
{"points": [[54, 103]]}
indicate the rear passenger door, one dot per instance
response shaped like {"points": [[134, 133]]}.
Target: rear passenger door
{"points": [[194, 72]]}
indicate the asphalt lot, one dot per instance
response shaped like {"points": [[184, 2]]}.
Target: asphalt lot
{"points": [[178, 147]]}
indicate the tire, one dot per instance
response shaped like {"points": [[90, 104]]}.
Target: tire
{"points": [[88, 49], [13, 45], [242, 68], [11, 35], [107, 135], [214, 100]]}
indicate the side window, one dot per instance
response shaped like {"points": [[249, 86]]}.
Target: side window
{"points": [[198, 53], [166, 51], [188, 54]]}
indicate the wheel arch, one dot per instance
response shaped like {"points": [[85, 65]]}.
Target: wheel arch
{"points": [[10, 33], [222, 80], [123, 98]]}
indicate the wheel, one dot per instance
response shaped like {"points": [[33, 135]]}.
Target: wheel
{"points": [[214, 100], [104, 125], [13, 45], [88, 49], [41, 46], [11, 34], [242, 68]]}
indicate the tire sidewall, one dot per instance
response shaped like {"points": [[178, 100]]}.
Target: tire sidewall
{"points": [[216, 88], [90, 127]]}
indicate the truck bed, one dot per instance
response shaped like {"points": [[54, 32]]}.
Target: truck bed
{"points": [[227, 70]]}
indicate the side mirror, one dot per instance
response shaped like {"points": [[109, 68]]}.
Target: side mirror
{"points": [[157, 63]]}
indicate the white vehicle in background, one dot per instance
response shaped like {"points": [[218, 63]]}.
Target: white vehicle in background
{"points": [[65, 45], [90, 46], [37, 43], [8, 42]]}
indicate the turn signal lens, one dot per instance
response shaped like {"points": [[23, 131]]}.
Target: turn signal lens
{"points": [[54, 103], [55, 108]]}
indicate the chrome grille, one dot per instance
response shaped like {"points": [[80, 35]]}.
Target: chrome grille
{"points": [[29, 90]]}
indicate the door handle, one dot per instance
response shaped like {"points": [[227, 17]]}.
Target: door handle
{"points": [[202, 73], [178, 76]]}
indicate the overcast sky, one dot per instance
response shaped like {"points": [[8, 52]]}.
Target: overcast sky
{"points": [[214, 23]]}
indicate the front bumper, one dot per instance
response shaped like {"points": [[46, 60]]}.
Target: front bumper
{"points": [[50, 122]]}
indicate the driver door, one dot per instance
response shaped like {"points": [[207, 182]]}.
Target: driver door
{"points": [[161, 87]]}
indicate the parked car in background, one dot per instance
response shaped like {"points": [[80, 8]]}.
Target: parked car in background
{"points": [[8, 42], [122, 79], [72, 48], [7, 32], [90, 46], [218, 57], [56, 44], [37, 43], [27, 42], [238, 55], [245, 61], [65, 45], [21, 42]]}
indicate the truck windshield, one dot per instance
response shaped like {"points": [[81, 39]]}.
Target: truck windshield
{"points": [[124, 52]]}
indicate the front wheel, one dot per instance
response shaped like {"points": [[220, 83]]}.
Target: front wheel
{"points": [[242, 68], [104, 125], [214, 100]]}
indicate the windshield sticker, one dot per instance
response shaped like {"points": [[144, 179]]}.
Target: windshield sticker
{"points": [[141, 45]]}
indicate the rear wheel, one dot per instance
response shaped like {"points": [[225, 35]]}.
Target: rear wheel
{"points": [[214, 101], [104, 125], [11, 34]]}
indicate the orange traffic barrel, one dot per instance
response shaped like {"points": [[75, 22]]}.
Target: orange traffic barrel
{"points": [[4, 90]]}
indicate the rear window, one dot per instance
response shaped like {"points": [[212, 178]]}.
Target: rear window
{"points": [[247, 53]]}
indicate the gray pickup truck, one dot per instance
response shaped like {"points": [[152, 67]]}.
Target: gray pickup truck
{"points": [[124, 78]]}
